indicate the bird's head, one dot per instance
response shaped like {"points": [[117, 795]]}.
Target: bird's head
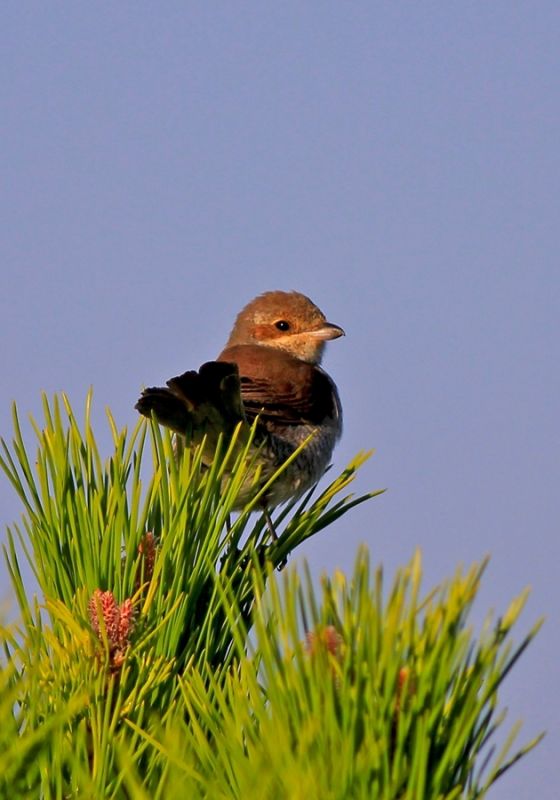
{"points": [[286, 321]]}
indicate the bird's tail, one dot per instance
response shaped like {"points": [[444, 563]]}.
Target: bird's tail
{"points": [[199, 404]]}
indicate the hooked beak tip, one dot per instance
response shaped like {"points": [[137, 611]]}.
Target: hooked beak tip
{"points": [[330, 331]]}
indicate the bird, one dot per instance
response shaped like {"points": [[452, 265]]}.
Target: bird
{"points": [[268, 379]]}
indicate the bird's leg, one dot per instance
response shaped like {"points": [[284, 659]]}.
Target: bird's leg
{"points": [[275, 537], [270, 524]]}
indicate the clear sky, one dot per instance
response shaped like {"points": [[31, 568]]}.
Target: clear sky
{"points": [[162, 163]]}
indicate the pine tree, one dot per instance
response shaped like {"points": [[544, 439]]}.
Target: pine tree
{"points": [[168, 657]]}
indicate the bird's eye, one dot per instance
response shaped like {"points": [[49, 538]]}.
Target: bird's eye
{"points": [[282, 325]]}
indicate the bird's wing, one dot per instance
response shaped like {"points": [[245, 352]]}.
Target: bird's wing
{"points": [[197, 403]]}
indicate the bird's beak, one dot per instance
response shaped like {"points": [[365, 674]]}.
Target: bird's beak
{"points": [[328, 331]]}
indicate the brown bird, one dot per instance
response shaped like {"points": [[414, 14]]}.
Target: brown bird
{"points": [[269, 372]]}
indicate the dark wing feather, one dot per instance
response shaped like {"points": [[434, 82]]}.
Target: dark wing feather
{"points": [[203, 400]]}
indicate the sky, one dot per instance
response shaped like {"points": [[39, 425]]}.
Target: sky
{"points": [[398, 162]]}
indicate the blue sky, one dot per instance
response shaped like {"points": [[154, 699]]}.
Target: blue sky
{"points": [[398, 162]]}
